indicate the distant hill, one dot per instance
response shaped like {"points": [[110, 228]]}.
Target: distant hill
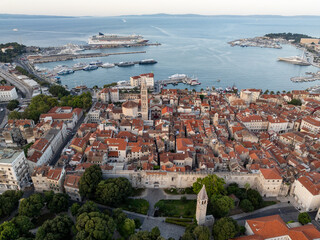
{"points": [[30, 16]]}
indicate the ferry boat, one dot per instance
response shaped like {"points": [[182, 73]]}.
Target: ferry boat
{"points": [[79, 66], [178, 76], [147, 61], [90, 67], [107, 65], [111, 39], [295, 60], [125, 64]]}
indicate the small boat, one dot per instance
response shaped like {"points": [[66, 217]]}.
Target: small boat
{"points": [[90, 68], [107, 65], [125, 64], [147, 61], [65, 72]]}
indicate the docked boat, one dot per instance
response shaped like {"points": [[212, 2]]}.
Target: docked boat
{"points": [[65, 72], [147, 61], [178, 76], [107, 65], [125, 64], [194, 82], [295, 60], [79, 66], [111, 39], [97, 63], [90, 68]]}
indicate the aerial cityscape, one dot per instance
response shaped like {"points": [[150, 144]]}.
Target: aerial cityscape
{"points": [[197, 125]]}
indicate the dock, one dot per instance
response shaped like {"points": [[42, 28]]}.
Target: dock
{"points": [[66, 57]]}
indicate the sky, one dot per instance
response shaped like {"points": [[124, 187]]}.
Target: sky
{"points": [[137, 7]]}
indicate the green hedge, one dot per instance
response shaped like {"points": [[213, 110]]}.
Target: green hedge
{"points": [[184, 222]]}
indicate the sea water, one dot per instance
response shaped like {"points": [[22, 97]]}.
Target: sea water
{"points": [[193, 45]]}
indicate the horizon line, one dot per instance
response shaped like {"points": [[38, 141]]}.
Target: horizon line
{"points": [[169, 14]]}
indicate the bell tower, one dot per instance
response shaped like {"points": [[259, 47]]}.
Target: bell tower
{"points": [[144, 100], [202, 202]]}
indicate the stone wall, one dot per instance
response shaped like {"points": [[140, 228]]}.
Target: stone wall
{"points": [[159, 179]]}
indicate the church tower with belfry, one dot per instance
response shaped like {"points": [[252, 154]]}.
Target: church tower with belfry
{"points": [[144, 100], [202, 202]]}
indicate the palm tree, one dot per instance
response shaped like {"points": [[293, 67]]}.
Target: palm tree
{"points": [[266, 91], [247, 186]]}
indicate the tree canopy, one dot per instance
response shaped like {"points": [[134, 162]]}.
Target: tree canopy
{"points": [[55, 229], [222, 205], [31, 206], [10, 54], [304, 218], [113, 191], [225, 228], [145, 235], [214, 185], [9, 201], [246, 205], [13, 104], [95, 226], [89, 181], [58, 91], [59, 203]]}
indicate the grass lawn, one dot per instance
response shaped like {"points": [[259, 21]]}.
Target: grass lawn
{"points": [[176, 208], [135, 205]]}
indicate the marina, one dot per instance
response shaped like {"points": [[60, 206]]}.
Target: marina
{"points": [[311, 78], [64, 57]]}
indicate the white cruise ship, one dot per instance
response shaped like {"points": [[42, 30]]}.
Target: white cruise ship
{"points": [[110, 39], [295, 60]]}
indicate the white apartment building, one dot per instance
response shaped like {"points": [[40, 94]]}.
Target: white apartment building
{"points": [[253, 123], [310, 124], [14, 172], [135, 81], [306, 191], [277, 124], [8, 93], [250, 95]]}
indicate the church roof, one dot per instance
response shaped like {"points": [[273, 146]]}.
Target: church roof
{"points": [[203, 193]]}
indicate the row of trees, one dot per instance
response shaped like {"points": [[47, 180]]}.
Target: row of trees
{"points": [[42, 104]]}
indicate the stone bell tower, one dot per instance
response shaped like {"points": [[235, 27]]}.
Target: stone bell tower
{"points": [[202, 202], [144, 100]]}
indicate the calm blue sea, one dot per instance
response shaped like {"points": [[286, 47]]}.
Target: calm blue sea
{"points": [[194, 45]]}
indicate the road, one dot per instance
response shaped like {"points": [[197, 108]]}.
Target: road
{"points": [[3, 113], [57, 154], [19, 84]]}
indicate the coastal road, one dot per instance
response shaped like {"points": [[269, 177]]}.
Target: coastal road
{"points": [[27, 92]]}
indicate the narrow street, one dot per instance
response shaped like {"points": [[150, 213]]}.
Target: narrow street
{"points": [[70, 135]]}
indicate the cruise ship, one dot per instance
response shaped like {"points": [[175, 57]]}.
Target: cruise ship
{"points": [[295, 60], [111, 39]]}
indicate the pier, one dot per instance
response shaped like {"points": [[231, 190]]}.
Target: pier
{"points": [[65, 57]]}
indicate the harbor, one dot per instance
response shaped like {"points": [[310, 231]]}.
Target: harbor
{"points": [[65, 57], [54, 74], [310, 78]]}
